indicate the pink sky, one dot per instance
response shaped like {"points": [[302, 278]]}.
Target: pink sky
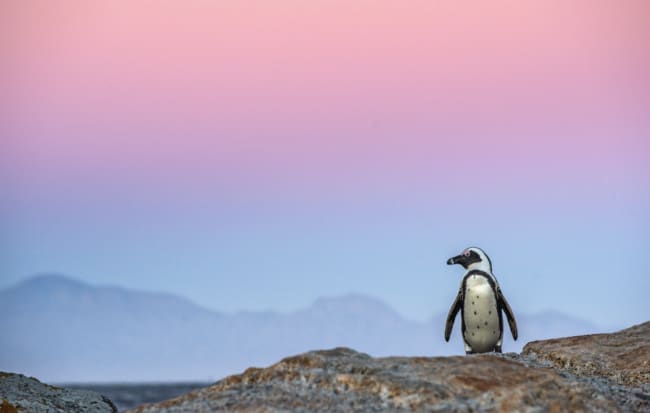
{"points": [[317, 128], [334, 90]]}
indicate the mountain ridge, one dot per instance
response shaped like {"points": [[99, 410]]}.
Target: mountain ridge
{"points": [[62, 328]]}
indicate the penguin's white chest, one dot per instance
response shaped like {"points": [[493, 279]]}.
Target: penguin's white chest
{"points": [[480, 315]]}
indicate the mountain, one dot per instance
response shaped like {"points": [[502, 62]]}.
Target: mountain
{"points": [[63, 330]]}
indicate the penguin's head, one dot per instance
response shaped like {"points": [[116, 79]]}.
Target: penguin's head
{"points": [[472, 258]]}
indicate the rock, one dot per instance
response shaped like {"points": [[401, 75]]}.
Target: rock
{"points": [[26, 394], [592, 373], [342, 380], [622, 357]]}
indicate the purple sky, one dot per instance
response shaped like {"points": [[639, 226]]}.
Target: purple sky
{"points": [[251, 157]]}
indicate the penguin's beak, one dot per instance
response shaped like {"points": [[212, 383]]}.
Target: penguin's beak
{"points": [[454, 260]]}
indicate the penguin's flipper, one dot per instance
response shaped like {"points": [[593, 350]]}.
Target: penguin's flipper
{"points": [[455, 307], [509, 314]]}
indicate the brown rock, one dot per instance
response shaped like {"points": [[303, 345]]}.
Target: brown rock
{"points": [[7, 407], [341, 380], [622, 357]]}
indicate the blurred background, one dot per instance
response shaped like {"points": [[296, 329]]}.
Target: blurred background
{"points": [[189, 188]]}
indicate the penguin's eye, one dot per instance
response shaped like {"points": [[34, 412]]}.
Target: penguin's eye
{"points": [[466, 253]]}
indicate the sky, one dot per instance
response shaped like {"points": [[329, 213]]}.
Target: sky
{"points": [[258, 155]]}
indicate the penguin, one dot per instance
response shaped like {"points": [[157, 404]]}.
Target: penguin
{"points": [[480, 302]]}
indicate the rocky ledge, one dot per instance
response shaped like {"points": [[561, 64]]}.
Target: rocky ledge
{"points": [[623, 357], [26, 394], [594, 373]]}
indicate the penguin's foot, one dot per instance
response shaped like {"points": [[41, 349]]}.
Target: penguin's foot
{"points": [[470, 352], [497, 349]]}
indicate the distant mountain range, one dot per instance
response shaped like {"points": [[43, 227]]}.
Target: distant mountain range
{"points": [[62, 330]]}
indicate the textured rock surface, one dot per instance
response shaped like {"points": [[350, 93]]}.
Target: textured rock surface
{"points": [[594, 373], [622, 357], [606, 373], [25, 394], [344, 380]]}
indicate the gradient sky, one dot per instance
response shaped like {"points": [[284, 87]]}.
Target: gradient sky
{"points": [[260, 154]]}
